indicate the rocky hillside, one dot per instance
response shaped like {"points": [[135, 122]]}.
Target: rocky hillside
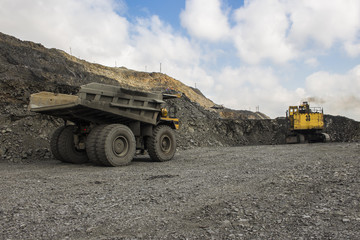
{"points": [[26, 68], [32, 63]]}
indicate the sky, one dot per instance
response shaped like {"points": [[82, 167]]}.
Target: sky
{"points": [[243, 54]]}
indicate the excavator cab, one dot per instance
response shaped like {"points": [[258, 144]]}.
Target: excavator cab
{"points": [[304, 108]]}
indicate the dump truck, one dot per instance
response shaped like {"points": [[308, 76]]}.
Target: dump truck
{"points": [[107, 124], [306, 124]]}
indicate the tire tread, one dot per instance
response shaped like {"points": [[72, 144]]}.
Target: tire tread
{"points": [[91, 143]]}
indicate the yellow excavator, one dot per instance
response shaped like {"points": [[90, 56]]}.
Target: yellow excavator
{"points": [[306, 124]]}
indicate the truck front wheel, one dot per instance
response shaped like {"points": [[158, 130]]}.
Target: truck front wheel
{"points": [[162, 145]]}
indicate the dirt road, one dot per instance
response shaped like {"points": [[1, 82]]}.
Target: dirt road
{"points": [[253, 192]]}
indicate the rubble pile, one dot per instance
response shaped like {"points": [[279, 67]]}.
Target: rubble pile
{"points": [[342, 129], [200, 128]]}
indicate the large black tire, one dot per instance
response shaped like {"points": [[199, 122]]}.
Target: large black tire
{"points": [[54, 143], [67, 148], [116, 145], [162, 145], [91, 143]]}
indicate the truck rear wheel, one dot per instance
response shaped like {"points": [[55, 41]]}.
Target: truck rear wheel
{"points": [[116, 145], [54, 143], [67, 149], [162, 145], [91, 143]]}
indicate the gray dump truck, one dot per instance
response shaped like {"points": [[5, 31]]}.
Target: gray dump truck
{"points": [[107, 124]]}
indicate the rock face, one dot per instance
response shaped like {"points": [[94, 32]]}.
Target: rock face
{"points": [[26, 68]]}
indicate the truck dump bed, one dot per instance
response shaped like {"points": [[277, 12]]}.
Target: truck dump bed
{"points": [[100, 103]]}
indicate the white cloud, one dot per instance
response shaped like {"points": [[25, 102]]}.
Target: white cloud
{"points": [[352, 49], [281, 30], [339, 93], [312, 62], [154, 42], [204, 19], [323, 21], [249, 87], [89, 27], [261, 32]]}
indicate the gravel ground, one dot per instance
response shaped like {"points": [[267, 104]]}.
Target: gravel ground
{"points": [[308, 191]]}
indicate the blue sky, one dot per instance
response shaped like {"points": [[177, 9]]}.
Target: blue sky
{"points": [[242, 54], [168, 11]]}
